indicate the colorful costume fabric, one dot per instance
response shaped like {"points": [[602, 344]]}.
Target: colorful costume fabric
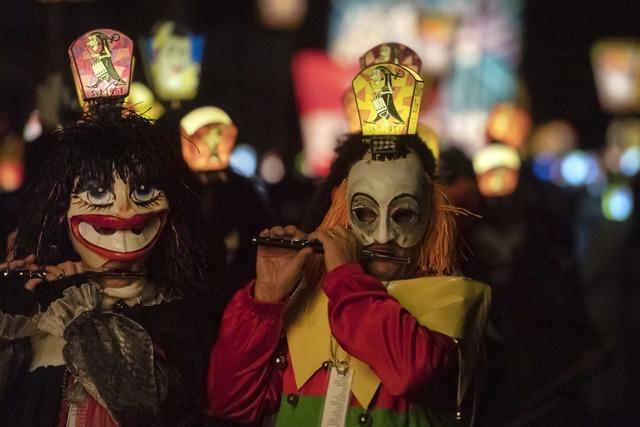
{"points": [[405, 374]]}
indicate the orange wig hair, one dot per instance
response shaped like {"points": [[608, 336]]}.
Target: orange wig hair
{"points": [[438, 253]]}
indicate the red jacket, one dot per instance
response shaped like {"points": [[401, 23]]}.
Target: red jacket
{"points": [[416, 366]]}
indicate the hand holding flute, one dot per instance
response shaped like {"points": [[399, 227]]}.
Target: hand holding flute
{"points": [[279, 268], [35, 274]]}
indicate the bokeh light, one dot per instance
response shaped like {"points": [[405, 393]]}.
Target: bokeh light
{"points": [[617, 203], [11, 175], [282, 14], [300, 163], [244, 160], [617, 74], [497, 169], [544, 165], [578, 168], [630, 161], [33, 127], [272, 168], [509, 124], [557, 137]]}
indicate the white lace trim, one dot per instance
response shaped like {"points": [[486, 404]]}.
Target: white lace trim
{"points": [[13, 327], [75, 301]]}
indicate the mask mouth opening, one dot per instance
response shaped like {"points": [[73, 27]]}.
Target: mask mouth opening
{"points": [[124, 239], [386, 248]]}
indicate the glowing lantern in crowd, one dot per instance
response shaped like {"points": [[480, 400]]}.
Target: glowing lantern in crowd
{"points": [[548, 144], [622, 151], [508, 124], [616, 66], [438, 31], [143, 102], [319, 84], [207, 138], [11, 163], [282, 14], [497, 167], [172, 57]]}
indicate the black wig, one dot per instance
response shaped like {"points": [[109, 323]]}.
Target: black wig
{"points": [[108, 140]]}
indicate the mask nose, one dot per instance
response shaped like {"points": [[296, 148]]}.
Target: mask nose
{"points": [[385, 232], [122, 205]]}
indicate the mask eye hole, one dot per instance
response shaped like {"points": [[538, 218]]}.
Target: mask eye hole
{"points": [[366, 215], [143, 193], [99, 196], [404, 216]]}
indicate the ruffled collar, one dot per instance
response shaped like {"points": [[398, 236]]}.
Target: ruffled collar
{"points": [[139, 292]]}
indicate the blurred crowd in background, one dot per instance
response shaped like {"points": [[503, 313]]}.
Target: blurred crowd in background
{"points": [[536, 107]]}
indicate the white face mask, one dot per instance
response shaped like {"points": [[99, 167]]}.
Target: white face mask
{"points": [[115, 223], [386, 200]]}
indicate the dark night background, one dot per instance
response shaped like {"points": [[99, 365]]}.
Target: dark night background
{"points": [[565, 350]]}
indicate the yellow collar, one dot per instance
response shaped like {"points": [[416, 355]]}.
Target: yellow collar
{"points": [[454, 306]]}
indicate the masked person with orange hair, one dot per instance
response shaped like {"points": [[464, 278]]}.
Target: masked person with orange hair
{"points": [[363, 335]]}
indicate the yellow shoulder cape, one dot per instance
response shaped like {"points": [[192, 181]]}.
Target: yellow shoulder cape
{"points": [[455, 306]]}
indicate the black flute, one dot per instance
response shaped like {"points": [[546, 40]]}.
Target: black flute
{"points": [[41, 273], [296, 245]]}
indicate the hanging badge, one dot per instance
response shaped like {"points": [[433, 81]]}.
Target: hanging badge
{"points": [[336, 401]]}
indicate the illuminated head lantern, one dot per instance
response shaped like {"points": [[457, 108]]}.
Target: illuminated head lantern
{"points": [[173, 56], [102, 64], [399, 54], [207, 137]]}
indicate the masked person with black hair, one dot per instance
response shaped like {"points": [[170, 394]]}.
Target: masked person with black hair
{"points": [[365, 334], [99, 324], [110, 332]]}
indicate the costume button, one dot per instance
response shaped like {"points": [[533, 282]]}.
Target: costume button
{"points": [[364, 419], [119, 306], [326, 364], [280, 362], [292, 399]]}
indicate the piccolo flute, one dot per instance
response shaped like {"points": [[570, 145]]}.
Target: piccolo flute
{"points": [[297, 244], [41, 273]]}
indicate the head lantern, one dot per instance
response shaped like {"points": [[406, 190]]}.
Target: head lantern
{"points": [[399, 54], [172, 59], [207, 137], [102, 64], [392, 52]]}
